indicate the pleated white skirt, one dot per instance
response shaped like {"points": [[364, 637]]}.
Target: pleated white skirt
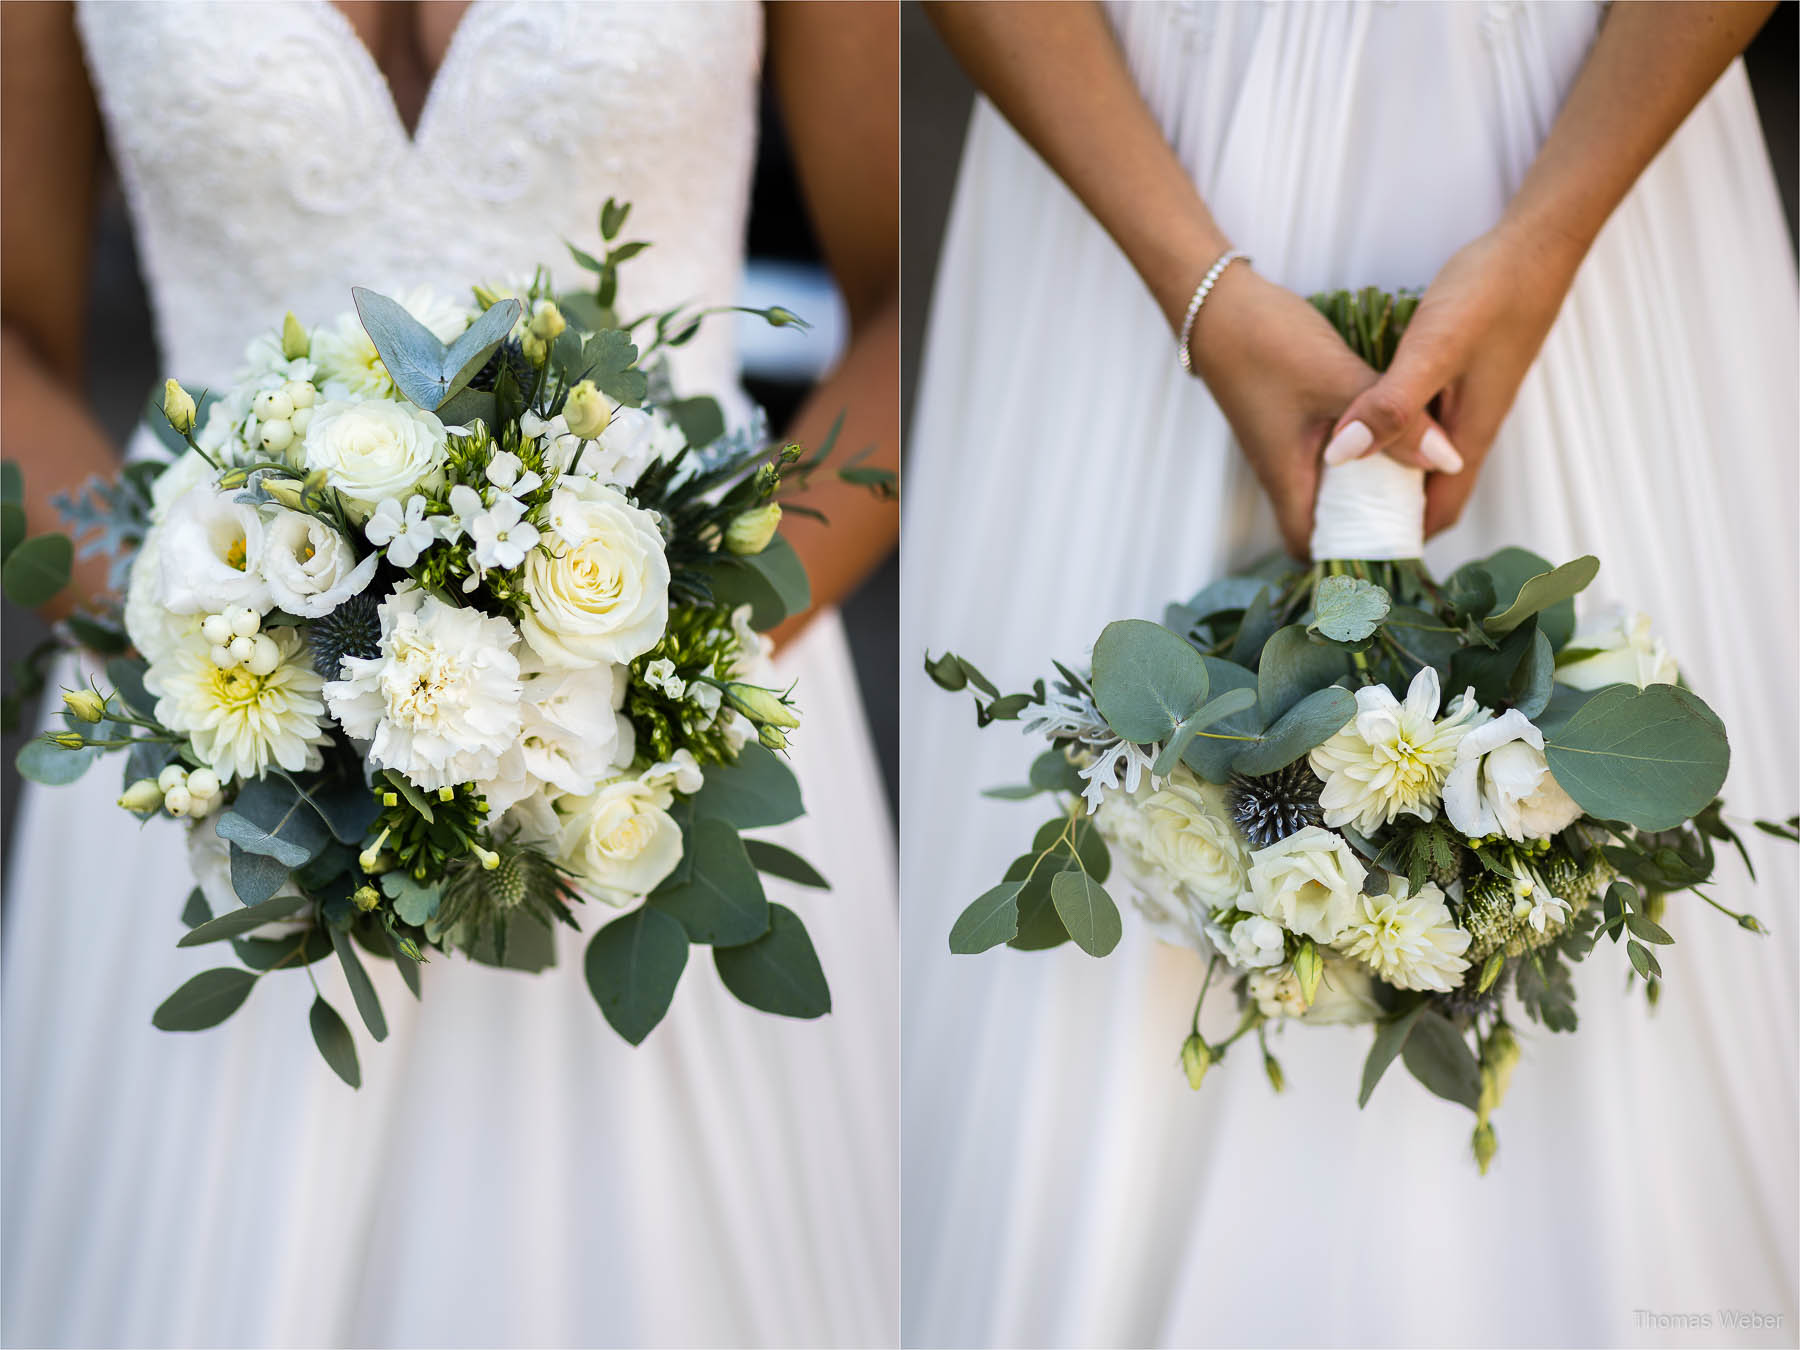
{"points": [[510, 1173], [1062, 1184]]}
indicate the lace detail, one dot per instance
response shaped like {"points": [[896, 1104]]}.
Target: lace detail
{"points": [[267, 168]]}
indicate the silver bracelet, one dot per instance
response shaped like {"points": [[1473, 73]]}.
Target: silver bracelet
{"points": [[1201, 291]]}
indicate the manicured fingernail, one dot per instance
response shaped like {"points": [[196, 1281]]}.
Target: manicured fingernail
{"points": [[1436, 447], [1355, 439]]}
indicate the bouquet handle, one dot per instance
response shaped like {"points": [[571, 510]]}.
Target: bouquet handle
{"points": [[1369, 510]]}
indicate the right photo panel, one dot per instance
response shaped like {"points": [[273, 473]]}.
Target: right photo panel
{"points": [[1349, 629]]}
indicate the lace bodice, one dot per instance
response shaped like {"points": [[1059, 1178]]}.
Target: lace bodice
{"points": [[267, 168]]}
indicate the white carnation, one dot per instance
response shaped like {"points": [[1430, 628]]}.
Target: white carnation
{"points": [[311, 568], [571, 734], [1392, 758], [1308, 883], [1408, 937], [599, 585], [620, 842], [346, 357], [211, 554], [441, 702], [1622, 649], [1502, 784], [373, 451], [241, 723]]}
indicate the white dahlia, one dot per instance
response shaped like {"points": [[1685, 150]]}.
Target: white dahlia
{"points": [[441, 702], [1393, 757], [1408, 937], [240, 723]]}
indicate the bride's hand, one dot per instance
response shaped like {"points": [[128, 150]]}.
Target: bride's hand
{"points": [[1475, 334], [1282, 376]]}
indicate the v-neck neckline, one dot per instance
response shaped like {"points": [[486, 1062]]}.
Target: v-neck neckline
{"points": [[414, 138]]}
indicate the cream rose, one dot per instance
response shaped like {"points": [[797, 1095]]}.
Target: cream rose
{"points": [[1187, 835], [311, 569], [621, 841], [1501, 783], [1308, 883], [1622, 650], [599, 583], [372, 451]]}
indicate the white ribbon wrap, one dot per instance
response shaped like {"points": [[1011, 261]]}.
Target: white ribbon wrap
{"points": [[1370, 510]]}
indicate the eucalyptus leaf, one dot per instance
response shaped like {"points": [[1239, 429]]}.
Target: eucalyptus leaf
{"points": [[1390, 1038], [255, 876], [1309, 723], [1653, 758], [991, 919], [779, 972], [334, 1041], [239, 921], [1210, 755], [722, 901], [271, 817], [1508, 570], [1293, 666], [1213, 710], [362, 989], [1255, 629], [758, 790], [780, 862], [43, 762], [204, 1001], [37, 569], [1557, 586], [423, 368], [1439, 1057], [1534, 678], [632, 967], [1146, 680], [1087, 912]]}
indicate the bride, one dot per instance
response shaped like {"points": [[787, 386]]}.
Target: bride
{"points": [[511, 1172], [1603, 363]]}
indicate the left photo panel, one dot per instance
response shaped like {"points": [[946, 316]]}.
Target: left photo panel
{"points": [[450, 495]]}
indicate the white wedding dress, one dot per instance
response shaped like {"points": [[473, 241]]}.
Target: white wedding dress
{"points": [[511, 1172], [1063, 1185]]}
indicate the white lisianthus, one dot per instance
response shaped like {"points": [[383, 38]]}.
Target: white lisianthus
{"points": [[599, 587], [571, 734], [1408, 937], [241, 723], [1501, 783], [1391, 760], [620, 841], [372, 451], [346, 357], [211, 554], [1345, 996], [634, 439], [187, 471], [441, 702], [310, 567], [1188, 836], [1308, 883], [1252, 943], [153, 630], [1621, 649]]}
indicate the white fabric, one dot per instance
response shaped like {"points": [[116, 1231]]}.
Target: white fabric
{"points": [[511, 1173], [1063, 1185], [1371, 509]]}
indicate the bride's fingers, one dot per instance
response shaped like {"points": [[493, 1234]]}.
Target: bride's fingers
{"points": [[1389, 412], [1425, 445]]}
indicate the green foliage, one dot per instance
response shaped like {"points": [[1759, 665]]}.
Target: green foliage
{"points": [[720, 900], [42, 761], [779, 972], [1311, 722], [204, 1001], [1348, 609], [1390, 1038], [1087, 911], [1293, 666], [992, 919], [240, 921], [1652, 758], [1558, 586], [757, 790], [780, 862], [334, 1041], [1146, 680], [632, 967], [773, 583], [423, 368], [36, 569], [271, 818], [362, 989], [1438, 1056]]}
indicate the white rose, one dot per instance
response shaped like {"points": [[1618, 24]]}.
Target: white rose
{"points": [[1308, 883], [311, 569], [1345, 996], [373, 451], [620, 842], [1502, 784], [211, 554], [1188, 836], [599, 584], [1624, 651]]}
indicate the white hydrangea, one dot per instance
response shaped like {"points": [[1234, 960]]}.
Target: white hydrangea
{"points": [[241, 723], [441, 703], [1393, 757], [1408, 937]]}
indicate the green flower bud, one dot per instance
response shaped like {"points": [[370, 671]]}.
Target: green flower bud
{"points": [[286, 491], [784, 318], [537, 351], [1499, 1056], [1486, 1146], [1196, 1056], [547, 321], [366, 897], [1272, 1067], [771, 738], [68, 740], [294, 341], [142, 797], [752, 530], [178, 407], [1750, 921], [487, 297], [762, 706], [1308, 966], [85, 704], [587, 411]]}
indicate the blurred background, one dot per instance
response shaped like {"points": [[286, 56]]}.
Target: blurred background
{"points": [[123, 367]]}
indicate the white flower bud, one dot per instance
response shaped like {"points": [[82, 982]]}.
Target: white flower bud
{"points": [[172, 777], [222, 657], [216, 628], [273, 405], [300, 393], [587, 411], [547, 321], [241, 650], [264, 655], [178, 407], [537, 351], [301, 420], [752, 530], [284, 490], [142, 797], [277, 435], [203, 783], [85, 704], [177, 801], [245, 621]]}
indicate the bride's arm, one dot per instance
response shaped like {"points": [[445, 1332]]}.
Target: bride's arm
{"points": [[836, 73], [1277, 370], [1483, 319], [49, 154]]}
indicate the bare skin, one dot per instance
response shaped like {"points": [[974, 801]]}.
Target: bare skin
{"points": [[1274, 366], [831, 64]]}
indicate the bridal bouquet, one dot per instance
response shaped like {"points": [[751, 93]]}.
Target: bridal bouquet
{"points": [[1368, 796], [447, 618]]}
